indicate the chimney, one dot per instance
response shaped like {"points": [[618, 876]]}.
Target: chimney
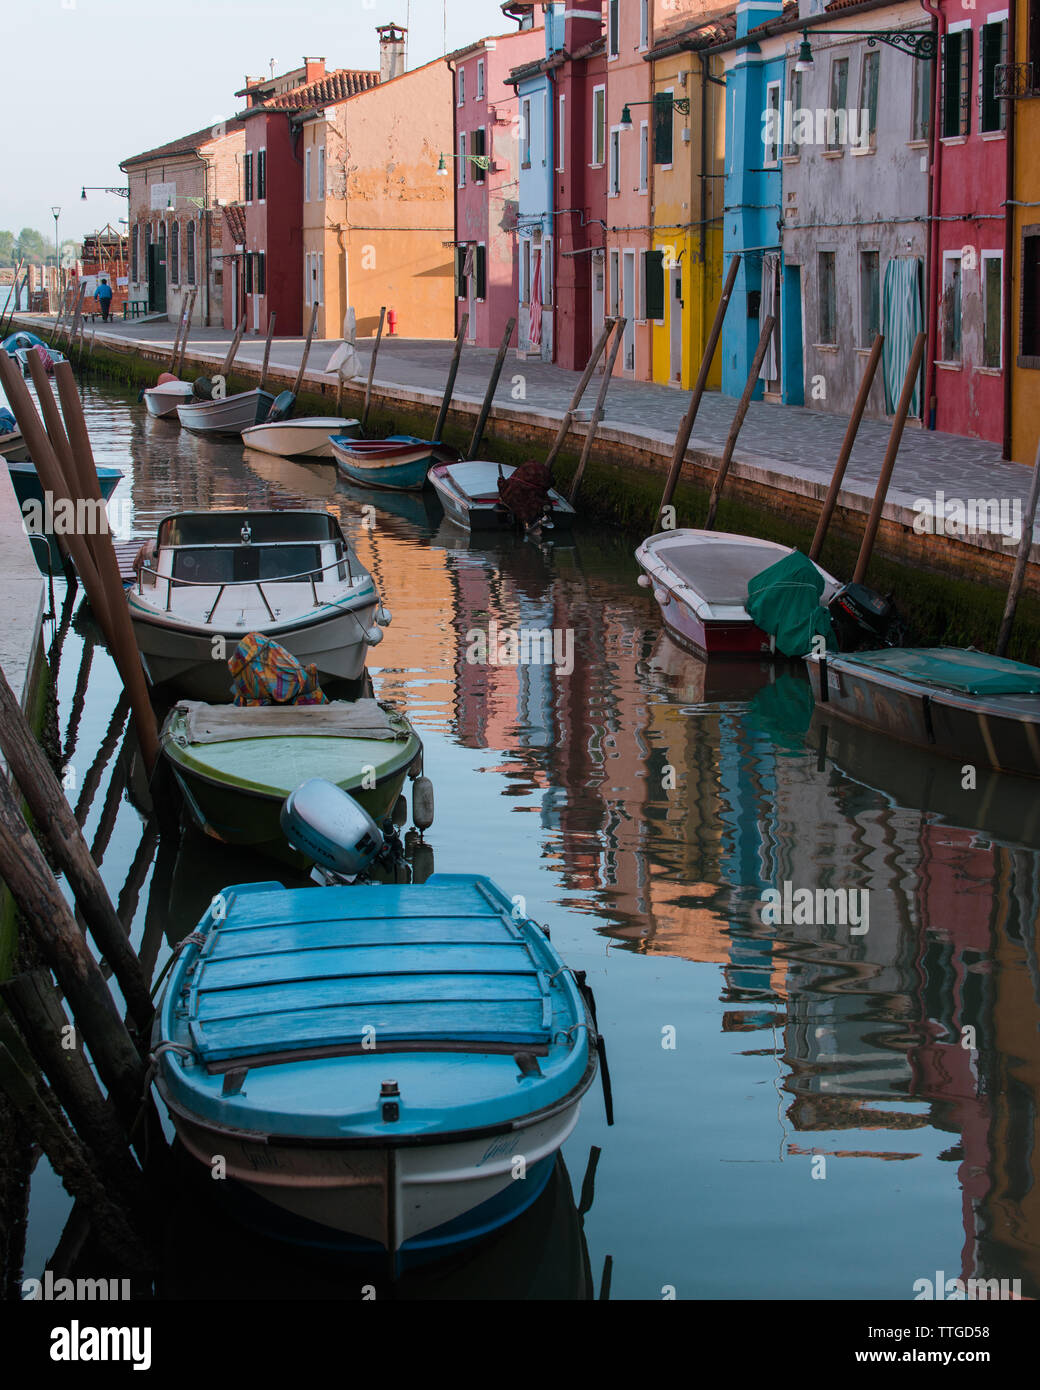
{"points": [[315, 69], [391, 50]]}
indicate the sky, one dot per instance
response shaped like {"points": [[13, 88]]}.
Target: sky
{"points": [[95, 81]]}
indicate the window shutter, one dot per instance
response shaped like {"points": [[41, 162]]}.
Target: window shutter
{"points": [[261, 273], [460, 279], [662, 128], [653, 290], [481, 264]]}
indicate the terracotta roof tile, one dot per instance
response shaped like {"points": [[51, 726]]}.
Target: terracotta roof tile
{"points": [[235, 216], [186, 143], [326, 91]]}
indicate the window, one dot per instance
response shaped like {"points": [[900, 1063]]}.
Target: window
{"points": [[869, 298], [189, 255], [994, 52], [147, 249], [321, 171], [462, 161], [261, 175], [794, 96], [175, 253], [248, 172], [462, 85], [773, 122], [479, 142], [307, 177], [481, 271], [460, 272], [644, 155], [614, 28], [321, 277], [956, 79], [135, 257], [249, 272], [653, 285], [950, 308], [307, 278], [1030, 326], [547, 271], [599, 125], [315, 297], [992, 307], [525, 133], [480, 79], [921, 122], [868, 95], [828, 307], [644, 25], [525, 271], [614, 177], [256, 273], [615, 283], [663, 128], [837, 127], [562, 132]]}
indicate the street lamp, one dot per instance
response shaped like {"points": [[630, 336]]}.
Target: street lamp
{"points": [[680, 104], [97, 188], [921, 44], [482, 161], [55, 213]]}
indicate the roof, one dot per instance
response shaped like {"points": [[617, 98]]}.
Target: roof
{"points": [[790, 12], [556, 59], [477, 45], [692, 33], [326, 91], [187, 144], [235, 216]]}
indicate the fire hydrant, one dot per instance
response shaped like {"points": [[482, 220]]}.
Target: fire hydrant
{"points": [[391, 322]]}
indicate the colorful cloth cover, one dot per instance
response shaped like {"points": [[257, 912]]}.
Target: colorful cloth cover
{"points": [[266, 674]]}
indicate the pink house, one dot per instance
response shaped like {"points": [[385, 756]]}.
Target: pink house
{"points": [[486, 198]]}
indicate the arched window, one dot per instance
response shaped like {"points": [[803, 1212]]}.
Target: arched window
{"points": [[175, 253]]}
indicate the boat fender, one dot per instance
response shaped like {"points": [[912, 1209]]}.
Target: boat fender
{"points": [[391, 1108], [373, 635], [422, 802], [422, 863], [400, 811], [643, 581], [383, 616], [662, 597]]}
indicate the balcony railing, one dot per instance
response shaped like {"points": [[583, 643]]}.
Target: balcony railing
{"points": [[1016, 80]]}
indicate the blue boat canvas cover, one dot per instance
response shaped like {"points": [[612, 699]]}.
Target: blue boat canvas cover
{"points": [[960, 669]]}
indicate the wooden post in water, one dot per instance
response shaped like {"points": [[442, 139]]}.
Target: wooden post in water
{"points": [[267, 348], [56, 822], [187, 329], [831, 500], [888, 463], [12, 303], [1021, 559], [74, 1164], [8, 310], [682, 438], [74, 327], [232, 351], [489, 394], [372, 368], [738, 419], [579, 391], [453, 371], [306, 352], [597, 414]]}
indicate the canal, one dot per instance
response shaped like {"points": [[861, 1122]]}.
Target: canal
{"points": [[810, 1103]]}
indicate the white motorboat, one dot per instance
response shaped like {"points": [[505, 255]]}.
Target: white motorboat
{"points": [[163, 399], [228, 415], [469, 495], [212, 577], [304, 438]]}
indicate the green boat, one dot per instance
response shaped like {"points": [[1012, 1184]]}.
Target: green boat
{"points": [[237, 764]]}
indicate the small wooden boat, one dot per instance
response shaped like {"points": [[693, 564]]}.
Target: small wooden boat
{"points": [[212, 577], [400, 462], [468, 493], [230, 415], [304, 438], [47, 524], [20, 344], [700, 580], [50, 357], [13, 447], [162, 399], [236, 765], [956, 701], [378, 1065]]}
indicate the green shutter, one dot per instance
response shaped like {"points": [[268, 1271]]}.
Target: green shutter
{"points": [[654, 289], [662, 128], [460, 279], [481, 268]]}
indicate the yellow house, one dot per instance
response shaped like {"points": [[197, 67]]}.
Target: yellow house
{"points": [[688, 194], [1025, 236]]}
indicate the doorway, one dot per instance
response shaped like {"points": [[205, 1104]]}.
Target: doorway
{"points": [[628, 294], [675, 311], [599, 297], [157, 274]]}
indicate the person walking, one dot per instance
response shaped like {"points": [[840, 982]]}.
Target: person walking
{"points": [[103, 295]]}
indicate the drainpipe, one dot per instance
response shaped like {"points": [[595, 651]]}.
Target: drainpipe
{"points": [[455, 193], [934, 194], [1009, 244], [703, 310]]}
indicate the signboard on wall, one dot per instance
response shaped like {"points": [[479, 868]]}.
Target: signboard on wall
{"points": [[161, 194]]}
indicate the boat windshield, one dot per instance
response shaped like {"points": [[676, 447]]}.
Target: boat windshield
{"points": [[241, 564]]}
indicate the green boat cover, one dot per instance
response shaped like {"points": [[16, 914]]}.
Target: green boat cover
{"points": [[954, 668], [784, 601]]}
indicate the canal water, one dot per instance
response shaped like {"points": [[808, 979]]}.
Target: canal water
{"points": [[804, 1108]]}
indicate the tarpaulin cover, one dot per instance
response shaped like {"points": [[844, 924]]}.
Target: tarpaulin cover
{"points": [[266, 674], [8, 424], [784, 601], [526, 491], [954, 668]]}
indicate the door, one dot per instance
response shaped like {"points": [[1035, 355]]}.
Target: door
{"points": [[628, 299], [770, 305], [599, 298], [256, 310], [157, 286], [471, 300], [675, 311], [235, 276]]}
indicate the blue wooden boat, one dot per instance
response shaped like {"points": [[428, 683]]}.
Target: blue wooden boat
{"points": [[29, 490], [381, 1067]]}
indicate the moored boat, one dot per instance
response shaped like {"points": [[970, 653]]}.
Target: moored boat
{"points": [[468, 492], [959, 702], [13, 447], [399, 463], [236, 765], [162, 399], [376, 1064], [32, 503], [228, 415], [307, 437], [700, 581], [210, 578]]}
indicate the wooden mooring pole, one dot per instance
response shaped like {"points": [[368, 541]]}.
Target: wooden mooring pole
{"points": [[179, 367], [372, 368], [682, 438], [738, 419], [489, 394], [597, 413], [8, 310], [306, 351], [267, 348], [845, 452], [232, 351], [579, 391], [77, 312], [453, 371]]}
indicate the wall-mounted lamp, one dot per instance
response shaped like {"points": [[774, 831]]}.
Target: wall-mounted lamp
{"points": [[482, 161], [680, 104], [919, 43]]}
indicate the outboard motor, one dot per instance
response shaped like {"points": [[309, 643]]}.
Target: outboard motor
{"points": [[325, 823], [863, 618], [203, 388], [282, 408]]}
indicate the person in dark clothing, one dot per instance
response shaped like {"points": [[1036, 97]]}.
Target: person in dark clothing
{"points": [[103, 295]]}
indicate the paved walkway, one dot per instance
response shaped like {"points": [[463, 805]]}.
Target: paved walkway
{"points": [[787, 447]]}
